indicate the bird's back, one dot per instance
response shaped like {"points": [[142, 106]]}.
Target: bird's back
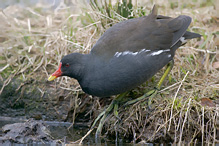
{"points": [[132, 51]]}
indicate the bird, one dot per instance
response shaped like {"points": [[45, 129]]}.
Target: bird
{"points": [[125, 56]]}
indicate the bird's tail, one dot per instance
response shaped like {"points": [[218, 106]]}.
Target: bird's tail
{"points": [[191, 35], [153, 13]]}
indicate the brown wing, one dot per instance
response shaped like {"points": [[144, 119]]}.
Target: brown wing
{"points": [[150, 32]]}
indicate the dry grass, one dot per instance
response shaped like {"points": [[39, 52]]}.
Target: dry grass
{"points": [[33, 41]]}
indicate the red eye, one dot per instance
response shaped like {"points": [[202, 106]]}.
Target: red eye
{"points": [[67, 65]]}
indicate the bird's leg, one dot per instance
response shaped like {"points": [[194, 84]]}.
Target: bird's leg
{"points": [[152, 93], [115, 103], [102, 116], [167, 71]]}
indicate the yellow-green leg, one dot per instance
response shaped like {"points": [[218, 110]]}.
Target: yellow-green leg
{"points": [[167, 71], [152, 93], [102, 116], [114, 104]]}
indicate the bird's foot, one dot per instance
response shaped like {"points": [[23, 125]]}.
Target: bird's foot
{"points": [[113, 107], [149, 94], [102, 118]]}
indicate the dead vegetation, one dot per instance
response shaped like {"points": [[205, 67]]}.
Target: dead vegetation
{"points": [[34, 39]]}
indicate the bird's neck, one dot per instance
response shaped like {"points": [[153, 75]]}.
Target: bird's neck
{"points": [[80, 70]]}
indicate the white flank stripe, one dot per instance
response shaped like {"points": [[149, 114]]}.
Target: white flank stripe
{"points": [[159, 52], [117, 54]]}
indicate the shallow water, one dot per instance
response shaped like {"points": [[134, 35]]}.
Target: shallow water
{"points": [[62, 134], [61, 131]]}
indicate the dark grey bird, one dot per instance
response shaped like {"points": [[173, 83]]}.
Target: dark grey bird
{"points": [[127, 54]]}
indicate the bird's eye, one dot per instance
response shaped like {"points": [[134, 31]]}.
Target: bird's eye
{"points": [[67, 64]]}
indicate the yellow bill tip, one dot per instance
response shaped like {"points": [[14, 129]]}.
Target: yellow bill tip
{"points": [[51, 78]]}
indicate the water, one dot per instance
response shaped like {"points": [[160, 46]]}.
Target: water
{"points": [[61, 131]]}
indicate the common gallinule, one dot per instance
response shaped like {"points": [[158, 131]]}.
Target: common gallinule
{"points": [[126, 55]]}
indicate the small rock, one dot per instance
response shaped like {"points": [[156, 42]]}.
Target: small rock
{"points": [[30, 131]]}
